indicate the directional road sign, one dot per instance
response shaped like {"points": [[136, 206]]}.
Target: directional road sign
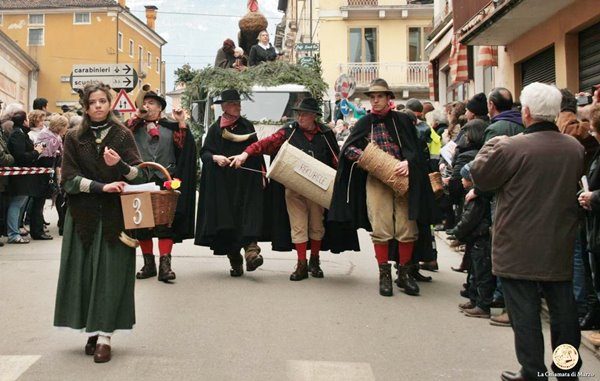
{"points": [[307, 47], [117, 76], [123, 103], [345, 107]]}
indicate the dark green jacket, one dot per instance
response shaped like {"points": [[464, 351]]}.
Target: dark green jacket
{"points": [[503, 127]]}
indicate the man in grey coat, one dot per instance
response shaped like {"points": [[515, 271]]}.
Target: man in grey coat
{"points": [[535, 176]]}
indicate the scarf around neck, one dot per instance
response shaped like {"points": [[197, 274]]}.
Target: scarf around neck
{"points": [[381, 113], [228, 120]]}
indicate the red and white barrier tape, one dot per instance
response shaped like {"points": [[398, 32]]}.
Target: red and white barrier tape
{"points": [[15, 171]]}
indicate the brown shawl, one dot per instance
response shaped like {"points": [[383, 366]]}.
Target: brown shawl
{"points": [[82, 158]]}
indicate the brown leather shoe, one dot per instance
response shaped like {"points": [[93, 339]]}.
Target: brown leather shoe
{"points": [[476, 312], [301, 271], [465, 306], [512, 376], [314, 267], [237, 264], [501, 320], [90, 346], [102, 353], [253, 258], [594, 338]]}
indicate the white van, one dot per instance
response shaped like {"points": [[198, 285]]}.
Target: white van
{"points": [[269, 108]]}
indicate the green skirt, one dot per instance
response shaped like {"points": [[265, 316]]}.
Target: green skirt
{"points": [[95, 290]]}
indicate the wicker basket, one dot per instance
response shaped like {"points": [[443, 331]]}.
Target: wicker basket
{"points": [[435, 178], [382, 165], [164, 202]]}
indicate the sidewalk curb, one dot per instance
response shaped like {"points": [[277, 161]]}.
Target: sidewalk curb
{"points": [[585, 335]]}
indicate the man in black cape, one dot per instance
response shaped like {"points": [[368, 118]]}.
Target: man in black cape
{"points": [[297, 221], [232, 202], [365, 202], [171, 144]]}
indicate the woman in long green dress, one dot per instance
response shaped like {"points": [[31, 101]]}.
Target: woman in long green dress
{"points": [[95, 291]]}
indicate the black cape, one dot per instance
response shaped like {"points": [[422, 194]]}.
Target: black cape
{"points": [[183, 226], [186, 170], [231, 208], [349, 195], [338, 237]]}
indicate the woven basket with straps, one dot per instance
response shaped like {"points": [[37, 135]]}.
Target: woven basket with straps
{"points": [[164, 202]]}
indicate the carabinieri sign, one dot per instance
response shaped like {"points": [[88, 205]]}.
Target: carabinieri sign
{"points": [[117, 76]]}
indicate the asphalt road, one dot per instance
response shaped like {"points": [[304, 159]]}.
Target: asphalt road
{"points": [[209, 326]]}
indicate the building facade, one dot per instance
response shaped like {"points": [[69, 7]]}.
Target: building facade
{"points": [[556, 42], [63, 33], [364, 39], [478, 64], [512, 43], [18, 74], [367, 39]]}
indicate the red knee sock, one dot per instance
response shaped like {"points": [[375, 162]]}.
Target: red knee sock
{"points": [[301, 250], [315, 248], [165, 246], [146, 246], [405, 252], [381, 253]]}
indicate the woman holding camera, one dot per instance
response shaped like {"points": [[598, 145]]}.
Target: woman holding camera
{"points": [[51, 140]]}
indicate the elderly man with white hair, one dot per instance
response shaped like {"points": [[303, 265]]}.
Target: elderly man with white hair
{"points": [[535, 175]]}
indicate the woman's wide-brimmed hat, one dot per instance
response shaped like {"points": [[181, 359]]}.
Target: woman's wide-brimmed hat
{"points": [[309, 105], [228, 96], [380, 86]]}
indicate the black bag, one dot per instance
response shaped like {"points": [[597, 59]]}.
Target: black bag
{"points": [[592, 231], [53, 187]]}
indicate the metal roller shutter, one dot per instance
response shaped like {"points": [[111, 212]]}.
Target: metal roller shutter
{"points": [[589, 57], [539, 68]]}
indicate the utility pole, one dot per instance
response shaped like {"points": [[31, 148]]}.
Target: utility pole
{"points": [[311, 17]]}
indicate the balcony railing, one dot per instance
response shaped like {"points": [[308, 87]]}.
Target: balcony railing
{"points": [[397, 74], [362, 3]]}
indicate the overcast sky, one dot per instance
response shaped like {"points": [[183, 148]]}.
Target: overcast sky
{"points": [[195, 38]]}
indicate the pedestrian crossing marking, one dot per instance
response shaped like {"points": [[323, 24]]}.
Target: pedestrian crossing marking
{"points": [[329, 371], [12, 367]]}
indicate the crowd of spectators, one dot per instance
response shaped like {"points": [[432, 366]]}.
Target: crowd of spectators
{"points": [[31, 140]]}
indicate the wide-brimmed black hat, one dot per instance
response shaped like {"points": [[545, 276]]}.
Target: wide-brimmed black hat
{"points": [[228, 96], [161, 100], [379, 85], [309, 105]]}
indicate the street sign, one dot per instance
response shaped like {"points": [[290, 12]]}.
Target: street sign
{"points": [[123, 103], [306, 61], [117, 76], [344, 107], [307, 47], [345, 85]]}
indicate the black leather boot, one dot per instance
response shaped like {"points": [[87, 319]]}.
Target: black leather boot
{"points": [[591, 320], [385, 280], [301, 271], [149, 268], [165, 274], [314, 267], [406, 281], [414, 271], [237, 264]]}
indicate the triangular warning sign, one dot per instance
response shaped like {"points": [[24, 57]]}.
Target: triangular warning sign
{"points": [[123, 103]]}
